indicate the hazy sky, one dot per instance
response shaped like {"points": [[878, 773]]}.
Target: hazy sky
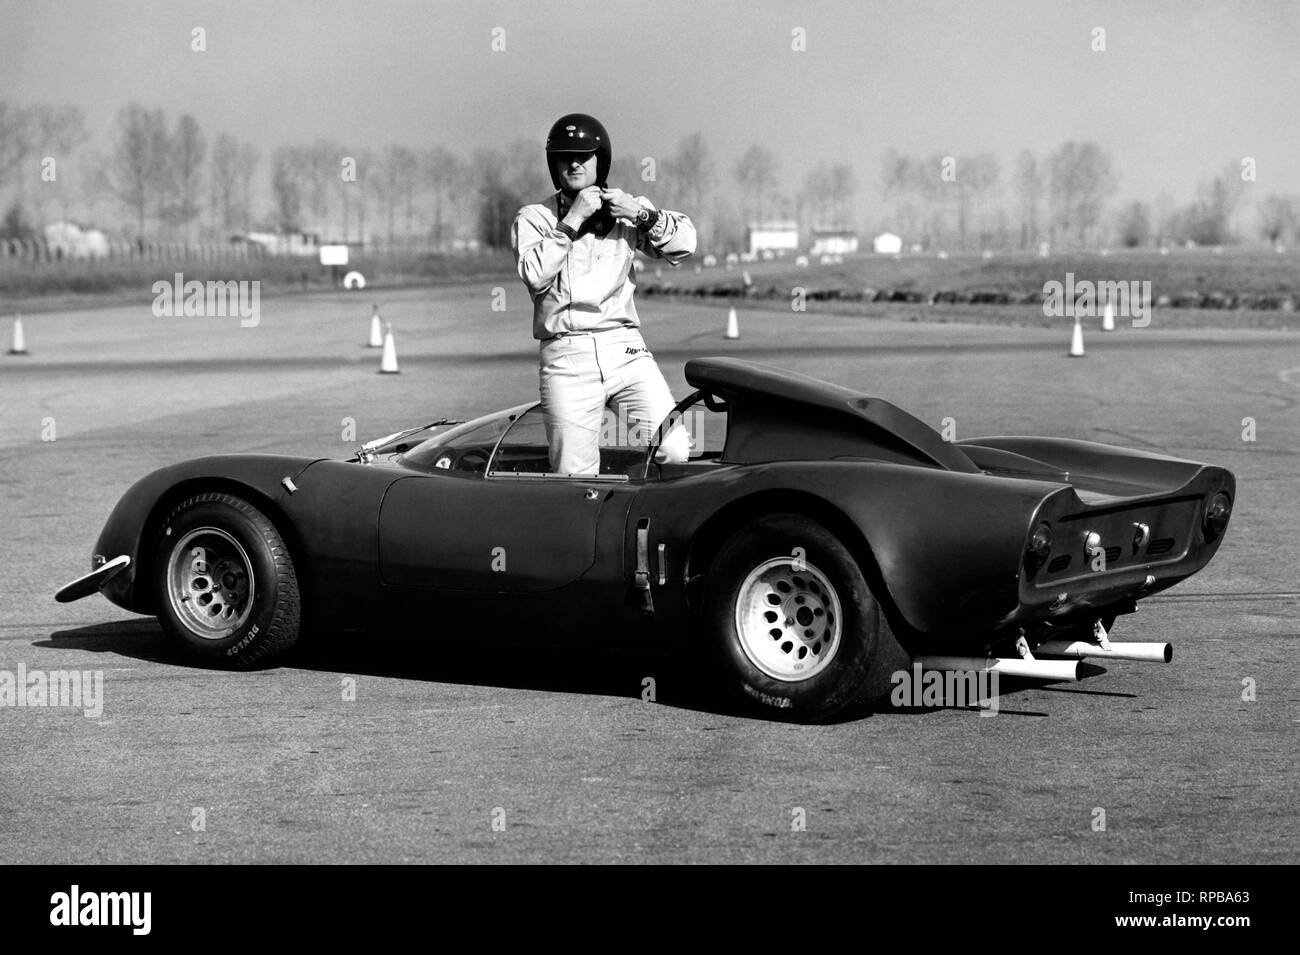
{"points": [[1182, 88]]}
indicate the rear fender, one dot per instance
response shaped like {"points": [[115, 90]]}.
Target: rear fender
{"points": [[946, 547], [949, 546]]}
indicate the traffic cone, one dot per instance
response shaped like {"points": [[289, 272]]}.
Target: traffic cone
{"points": [[1076, 341], [19, 347], [733, 326], [376, 330], [388, 361], [1108, 318]]}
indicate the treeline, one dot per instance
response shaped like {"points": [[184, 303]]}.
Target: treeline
{"points": [[163, 179], [1062, 199]]}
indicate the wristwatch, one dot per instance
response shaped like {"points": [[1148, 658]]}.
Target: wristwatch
{"points": [[646, 219]]}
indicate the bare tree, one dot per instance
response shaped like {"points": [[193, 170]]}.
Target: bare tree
{"points": [[187, 149], [525, 171], [1277, 218], [397, 184], [843, 183], [363, 188], [355, 184], [975, 178], [1208, 219], [1080, 177], [16, 134], [447, 179], [496, 203], [827, 195], [1220, 198], [689, 180], [756, 174], [53, 132], [58, 129], [507, 179], [387, 182], [1135, 225], [286, 164], [900, 179], [91, 187], [137, 169], [231, 174], [323, 164], [921, 193], [1029, 184], [814, 197], [28, 130]]}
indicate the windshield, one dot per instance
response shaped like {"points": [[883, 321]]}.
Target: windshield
{"points": [[517, 438], [464, 449]]}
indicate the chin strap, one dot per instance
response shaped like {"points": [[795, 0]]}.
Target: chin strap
{"points": [[600, 223]]}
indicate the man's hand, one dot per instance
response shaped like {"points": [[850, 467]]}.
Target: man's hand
{"points": [[585, 204], [621, 205]]}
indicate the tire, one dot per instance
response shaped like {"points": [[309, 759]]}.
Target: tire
{"points": [[226, 585], [795, 632]]}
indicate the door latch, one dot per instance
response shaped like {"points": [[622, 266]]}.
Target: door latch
{"points": [[643, 565]]}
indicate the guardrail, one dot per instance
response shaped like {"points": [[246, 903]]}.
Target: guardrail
{"points": [[28, 252]]}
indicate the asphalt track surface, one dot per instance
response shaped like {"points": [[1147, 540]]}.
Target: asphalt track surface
{"points": [[447, 735]]}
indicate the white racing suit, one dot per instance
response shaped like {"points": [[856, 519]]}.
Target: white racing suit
{"points": [[592, 354]]}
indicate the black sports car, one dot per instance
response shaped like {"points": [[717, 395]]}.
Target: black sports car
{"points": [[812, 528]]}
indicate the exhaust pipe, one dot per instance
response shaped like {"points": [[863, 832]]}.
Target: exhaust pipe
{"points": [[1054, 670], [1080, 649]]}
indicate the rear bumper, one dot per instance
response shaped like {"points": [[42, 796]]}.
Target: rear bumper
{"points": [[1141, 547]]}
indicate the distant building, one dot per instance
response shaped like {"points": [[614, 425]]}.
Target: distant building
{"points": [[887, 244], [777, 236], [286, 243], [833, 242]]}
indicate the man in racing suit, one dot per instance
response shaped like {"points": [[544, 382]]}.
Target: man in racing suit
{"points": [[574, 252]]}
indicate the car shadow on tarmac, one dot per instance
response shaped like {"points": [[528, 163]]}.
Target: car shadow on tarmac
{"points": [[593, 671]]}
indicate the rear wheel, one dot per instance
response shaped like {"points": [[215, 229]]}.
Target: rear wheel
{"points": [[795, 626], [227, 588]]}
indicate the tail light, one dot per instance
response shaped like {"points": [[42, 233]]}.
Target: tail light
{"points": [[1039, 547], [1216, 515]]}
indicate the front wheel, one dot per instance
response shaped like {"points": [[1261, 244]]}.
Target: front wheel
{"points": [[227, 588], [795, 626]]}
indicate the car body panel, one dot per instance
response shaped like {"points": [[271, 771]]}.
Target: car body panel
{"points": [[942, 528], [501, 534], [779, 415]]}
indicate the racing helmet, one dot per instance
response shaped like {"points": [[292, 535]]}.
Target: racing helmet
{"points": [[578, 133]]}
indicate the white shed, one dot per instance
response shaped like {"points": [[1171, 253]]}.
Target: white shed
{"points": [[887, 244], [776, 236]]}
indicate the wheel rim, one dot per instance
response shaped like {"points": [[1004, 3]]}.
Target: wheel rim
{"points": [[788, 619], [210, 583]]}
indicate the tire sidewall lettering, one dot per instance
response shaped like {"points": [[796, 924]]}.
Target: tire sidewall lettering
{"points": [[832, 687], [247, 639]]}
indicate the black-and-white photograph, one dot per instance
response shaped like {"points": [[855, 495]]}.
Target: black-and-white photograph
{"points": [[613, 433]]}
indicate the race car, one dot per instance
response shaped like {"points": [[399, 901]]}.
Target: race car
{"points": [[814, 533]]}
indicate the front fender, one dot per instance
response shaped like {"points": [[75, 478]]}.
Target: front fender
{"points": [[131, 522]]}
